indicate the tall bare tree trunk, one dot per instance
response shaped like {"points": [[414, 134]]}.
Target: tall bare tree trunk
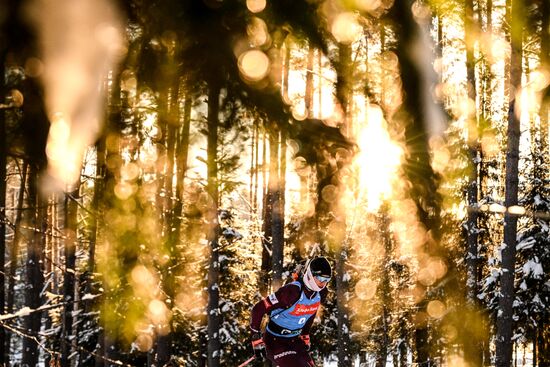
{"points": [[267, 212], [50, 276], [164, 343], [256, 166], [471, 258], [213, 311], [542, 336], [102, 178], [70, 239], [320, 83], [309, 82], [14, 248], [385, 288], [484, 126], [505, 321], [545, 106], [286, 69], [414, 114], [34, 279], [3, 166], [253, 171], [473, 343], [344, 93], [277, 224]]}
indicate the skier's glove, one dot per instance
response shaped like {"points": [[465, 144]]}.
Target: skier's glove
{"points": [[306, 341], [259, 346]]}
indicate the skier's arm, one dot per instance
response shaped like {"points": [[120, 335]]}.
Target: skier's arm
{"points": [[258, 312], [284, 297]]}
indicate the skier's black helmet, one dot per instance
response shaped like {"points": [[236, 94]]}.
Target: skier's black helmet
{"points": [[319, 268]]}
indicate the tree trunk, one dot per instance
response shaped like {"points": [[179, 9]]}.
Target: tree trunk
{"points": [[273, 192], [267, 227], [286, 69], [414, 114], [213, 311], [173, 220], [49, 270], [484, 125], [385, 289], [309, 82], [256, 165], [473, 342], [14, 249], [320, 84], [403, 354], [344, 94], [102, 179], [253, 171], [342, 287], [543, 347], [34, 279], [545, 105], [277, 224], [505, 321], [3, 166], [70, 239], [472, 230]]}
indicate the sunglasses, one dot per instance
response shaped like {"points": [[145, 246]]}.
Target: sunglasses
{"points": [[322, 279]]}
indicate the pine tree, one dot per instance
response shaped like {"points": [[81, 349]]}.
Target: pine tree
{"points": [[3, 164], [71, 238], [504, 334]]}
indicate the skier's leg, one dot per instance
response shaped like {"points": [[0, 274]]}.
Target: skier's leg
{"points": [[292, 358], [291, 353]]}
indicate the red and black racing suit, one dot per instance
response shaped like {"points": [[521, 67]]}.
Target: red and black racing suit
{"points": [[286, 351]]}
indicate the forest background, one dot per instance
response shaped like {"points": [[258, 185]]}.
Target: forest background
{"points": [[165, 164]]}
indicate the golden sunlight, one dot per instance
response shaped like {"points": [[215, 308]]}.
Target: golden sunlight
{"points": [[378, 159], [365, 289], [80, 42], [63, 155]]}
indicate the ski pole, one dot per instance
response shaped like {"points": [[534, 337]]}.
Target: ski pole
{"points": [[247, 361]]}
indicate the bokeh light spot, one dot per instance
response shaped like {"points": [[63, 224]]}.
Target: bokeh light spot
{"points": [[144, 342], [34, 67], [254, 65], [329, 193], [257, 32], [426, 276], [255, 6], [420, 11], [369, 5], [516, 210], [346, 28], [497, 208], [438, 267], [16, 98], [489, 145], [540, 79], [436, 309], [123, 190], [129, 171]]}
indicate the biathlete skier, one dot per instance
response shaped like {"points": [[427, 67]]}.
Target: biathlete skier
{"points": [[291, 311]]}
